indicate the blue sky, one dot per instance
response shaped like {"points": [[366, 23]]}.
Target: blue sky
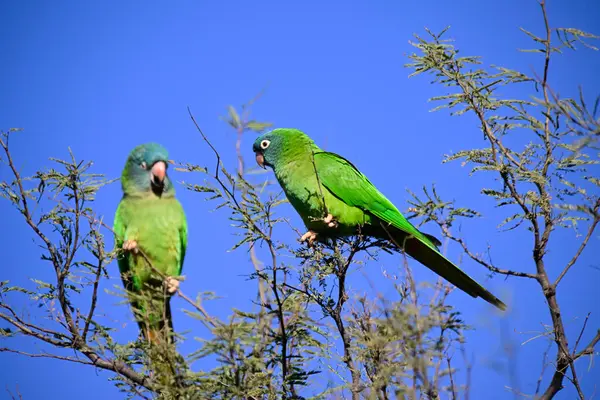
{"points": [[102, 77]]}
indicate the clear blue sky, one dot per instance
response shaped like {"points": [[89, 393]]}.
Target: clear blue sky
{"points": [[102, 77]]}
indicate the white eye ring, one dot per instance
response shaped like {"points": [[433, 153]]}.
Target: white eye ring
{"points": [[143, 165], [264, 144]]}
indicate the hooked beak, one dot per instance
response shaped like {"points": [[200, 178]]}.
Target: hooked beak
{"points": [[158, 171], [260, 159]]}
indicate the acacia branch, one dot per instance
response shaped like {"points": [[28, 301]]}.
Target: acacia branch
{"points": [[55, 259], [24, 207], [95, 288], [513, 168], [336, 315], [33, 331], [111, 365], [446, 232], [280, 310], [253, 257], [267, 238], [163, 276], [53, 338], [46, 355], [481, 261], [583, 244], [38, 328], [564, 359]]}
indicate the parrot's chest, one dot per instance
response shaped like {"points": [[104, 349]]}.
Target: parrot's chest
{"points": [[156, 228], [314, 202]]}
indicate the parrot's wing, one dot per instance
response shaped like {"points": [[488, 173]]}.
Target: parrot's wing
{"points": [[183, 239], [348, 184], [119, 228]]}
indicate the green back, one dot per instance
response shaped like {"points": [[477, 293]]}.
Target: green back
{"points": [[348, 184]]}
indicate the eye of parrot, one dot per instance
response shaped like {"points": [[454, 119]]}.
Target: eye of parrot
{"points": [[264, 144], [143, 165]]}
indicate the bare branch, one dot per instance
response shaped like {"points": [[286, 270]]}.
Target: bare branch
{"points": [[589, 349], [46, 355], [481, 261], [583, 243]]}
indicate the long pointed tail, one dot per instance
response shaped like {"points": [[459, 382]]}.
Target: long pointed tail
{"points": [[439, 264]]}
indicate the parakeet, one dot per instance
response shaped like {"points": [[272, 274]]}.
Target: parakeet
{"points": [[150, 219], [334, 199]]}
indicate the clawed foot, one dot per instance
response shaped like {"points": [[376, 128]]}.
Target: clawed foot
{"points": [[332, 223], [309, 237], [130, 245], [172, 284]]}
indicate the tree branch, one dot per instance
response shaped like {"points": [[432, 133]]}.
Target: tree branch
{"points": [[45, 355], [589, 349], [481, 261], [583, 243]]}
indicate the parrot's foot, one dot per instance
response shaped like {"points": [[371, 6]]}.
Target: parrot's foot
{"points": [[332, 223], [130, 245], [172, 284], [309, 237]]}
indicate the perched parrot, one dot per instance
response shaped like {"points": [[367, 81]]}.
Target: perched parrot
{"points": [[335, 199], [151, 220]]}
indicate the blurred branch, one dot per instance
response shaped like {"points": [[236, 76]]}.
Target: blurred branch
{"points": [[12, 396]]}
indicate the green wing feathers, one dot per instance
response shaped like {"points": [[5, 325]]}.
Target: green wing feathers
{"points": [[183, 239], [349, 185]]}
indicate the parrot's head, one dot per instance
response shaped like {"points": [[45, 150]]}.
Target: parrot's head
{"points": [[146, 171], [274, 146]]}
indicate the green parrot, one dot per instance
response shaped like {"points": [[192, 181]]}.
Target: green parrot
{"points": [[149, 218], [335, 199]]}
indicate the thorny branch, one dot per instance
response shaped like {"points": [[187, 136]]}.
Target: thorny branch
{"points": [[266, 237], [514, 168], [76, 338], [583, 244], [284, 326], [196, 304]]}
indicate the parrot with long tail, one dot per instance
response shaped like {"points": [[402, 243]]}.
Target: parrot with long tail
{"points": [[151, 229], [334, 199]]}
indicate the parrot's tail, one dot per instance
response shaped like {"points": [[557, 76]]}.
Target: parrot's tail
{"points": [[162, 353], [157, 326], [435, 261]]}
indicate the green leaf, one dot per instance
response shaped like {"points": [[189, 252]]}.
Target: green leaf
{"points": [[592, 179], [234, 119], [258, 126]]}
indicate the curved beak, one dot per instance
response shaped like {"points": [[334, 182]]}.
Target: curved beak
{"points": [[260, 159], [158, 171]]}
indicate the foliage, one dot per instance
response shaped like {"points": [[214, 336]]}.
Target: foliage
{"points": [[545, 182]]}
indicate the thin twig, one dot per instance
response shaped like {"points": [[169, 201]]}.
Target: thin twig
{"points": [[583, 243]]}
